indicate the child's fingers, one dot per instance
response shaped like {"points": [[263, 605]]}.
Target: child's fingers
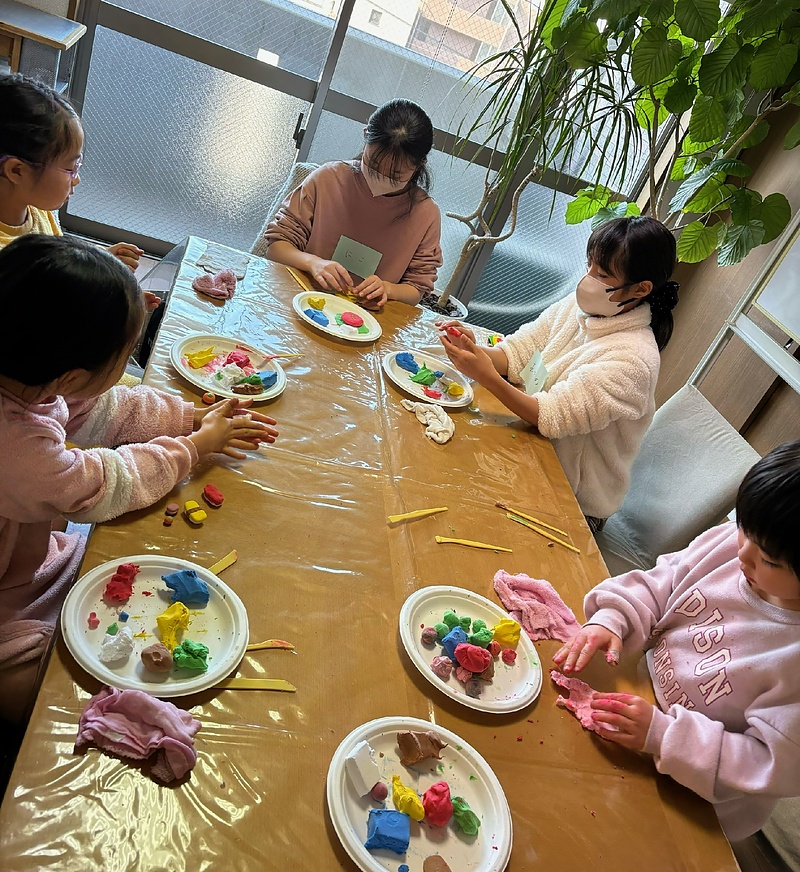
{"points": [[232, 452]]}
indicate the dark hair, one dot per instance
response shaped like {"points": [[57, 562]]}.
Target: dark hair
{"points": [[768, 504], [65, 305], [400, 133], [641, 249], [37, 121]]}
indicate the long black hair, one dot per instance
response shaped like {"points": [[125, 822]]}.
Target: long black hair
{"points": [[641, 249], [66, 305], [37, 124]]}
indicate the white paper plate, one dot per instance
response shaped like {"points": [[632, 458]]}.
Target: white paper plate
{"points": [[337, 306], [512, 688], [221, 625], [462, 767], [402, 378], [200, 378]]}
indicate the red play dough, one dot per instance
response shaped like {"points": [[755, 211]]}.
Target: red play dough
{"points": [[239, 358], [509, 655], [432, 393], [213, 496], [352, 319], [120, 587], [437, 804], [454, 331], [472, 657]]}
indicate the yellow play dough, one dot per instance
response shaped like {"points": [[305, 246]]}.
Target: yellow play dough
{"points": [[406, 800], [200, 358], [455, 390], [171, 622], [316, 302], [506, 633]]}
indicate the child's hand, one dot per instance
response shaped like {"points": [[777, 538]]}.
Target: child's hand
{"points": [[330, 275], [151, 301], [629, 716], [467, 357], [591, 638], [444, 327], [129, 254], [226, 426], [372, 292]]}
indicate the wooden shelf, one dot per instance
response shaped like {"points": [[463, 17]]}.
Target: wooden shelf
{"points": [[20, 20]]}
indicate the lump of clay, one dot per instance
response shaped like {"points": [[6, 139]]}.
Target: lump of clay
{"points": [[191, 655], [379, 791], [406, 800], [465, 817], [120, 587], [352, 319], [171, 622], [198, 359], [442, 666], [213, 496], [473, 688], [429, 636], [415, 747], [452, 640], [423, 376], [186, 587], [388, 830], [509, 655], [450, 618], [435, 863], [157, 658], [472, 657], [317, 317], [316, 302], [482, 637], [437, 804], [361, 768], [117, 647], [268, 378], [406, 361], [506, 633], [238, 357]]}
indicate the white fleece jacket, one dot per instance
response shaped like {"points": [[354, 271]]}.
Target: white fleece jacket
{"points": [[599, 397]]}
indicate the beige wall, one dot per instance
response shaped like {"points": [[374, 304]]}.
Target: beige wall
{"points": [[743, 388]]}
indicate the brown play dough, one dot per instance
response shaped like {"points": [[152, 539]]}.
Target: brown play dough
{"points": [[415, 747], [435, 864], [157, 658]]}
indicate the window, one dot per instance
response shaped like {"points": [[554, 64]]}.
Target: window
{"points": [[375, 17]]}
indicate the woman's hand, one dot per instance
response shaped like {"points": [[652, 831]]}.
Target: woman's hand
{"points": [[590, 639], [622, 718], [129, 254], [448, 326], [229, 425], [330, 275], [467, 357], [372, 293]]}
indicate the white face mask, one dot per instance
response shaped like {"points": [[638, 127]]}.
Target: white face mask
{"points": [[380, 185], [594, 298]]}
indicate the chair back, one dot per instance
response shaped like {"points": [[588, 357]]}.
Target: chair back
{"points": [[297, 175]]}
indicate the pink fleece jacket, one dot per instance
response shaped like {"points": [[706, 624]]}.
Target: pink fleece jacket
{"points": [[724, 666], [42, 480], [335, 200]]}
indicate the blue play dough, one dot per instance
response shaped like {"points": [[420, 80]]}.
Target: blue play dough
{"points": [[388, 829], [455, 637], [186, 587], [438, 374], [406, 361], [123, 616], [316, 315], [268, 377], [402, 868]]}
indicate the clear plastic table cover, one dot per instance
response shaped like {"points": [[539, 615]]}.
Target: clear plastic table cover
{"points": [[320, 567]]}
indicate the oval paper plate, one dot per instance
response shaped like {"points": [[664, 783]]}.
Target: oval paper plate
{"points": [[512, 688], [402, 378], [461, 766], [223, 345], [221, 626], [337, 306]]}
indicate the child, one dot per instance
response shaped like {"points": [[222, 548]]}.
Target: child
{"points": [[720, 626], [71, 313], [379, 200], [41, 153], [589, 363]]}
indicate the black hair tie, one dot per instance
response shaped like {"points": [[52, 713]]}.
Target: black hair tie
{"points": [[665, 299]]}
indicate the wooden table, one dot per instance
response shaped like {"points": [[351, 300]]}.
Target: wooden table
{"points": [[319, 566]]}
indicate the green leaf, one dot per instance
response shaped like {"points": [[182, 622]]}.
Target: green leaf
{"points": [[698, 19], [645, 111], [772, 63], [553, 20], [730, 166], [654, 56], [775, 215], [758, 134], [607, 213], [690, 186], [698, 240], [587, 203], [680, 96], [613, 10], [745, 206], [658, 11], [792, 95], [764, 17], [707, 122], [584, 45], [725, 69], [792, 138], [740, 240], [732, 107], [632, 209], [710, 197]]}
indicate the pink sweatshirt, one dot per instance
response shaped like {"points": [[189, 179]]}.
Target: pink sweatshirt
{"points": [[41, 480], [724, 666], [335, 201]]}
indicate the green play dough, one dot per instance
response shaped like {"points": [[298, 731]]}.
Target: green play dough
{"points": [[450, 618], [465, 622], [477, 625], [423, 376], [465, 817], [363, 329], [113, 629], [191, 655], [441, 630], [482, 638]]}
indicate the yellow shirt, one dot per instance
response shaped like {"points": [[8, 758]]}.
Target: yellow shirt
{"points": [[38, 221]]}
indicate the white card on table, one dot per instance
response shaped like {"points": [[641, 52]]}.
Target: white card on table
{"points": [[534, 373]]}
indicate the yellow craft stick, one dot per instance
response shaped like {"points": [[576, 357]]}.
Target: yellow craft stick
{"points": [[256, 684], [541, 532], [444, 539], [420, 513], [531, 518], [270, 643], [227, 560], [301, 280]]}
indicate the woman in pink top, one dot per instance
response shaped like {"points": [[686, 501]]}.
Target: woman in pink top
{"points": [[379, 200], [71, 314]]}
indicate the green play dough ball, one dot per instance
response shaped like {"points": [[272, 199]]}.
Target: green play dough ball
{"points": [[482, 637], [465, 622], [478, 625], [450, 618], [441, 630], [464, 817], [191, 655]]}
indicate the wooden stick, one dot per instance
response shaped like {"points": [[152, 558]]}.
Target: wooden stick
{"points": [[227, 560], [420, 513], [256, 684], [301, 280], [541, 532], [530, 518], [443, 539], [270, 643]]}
